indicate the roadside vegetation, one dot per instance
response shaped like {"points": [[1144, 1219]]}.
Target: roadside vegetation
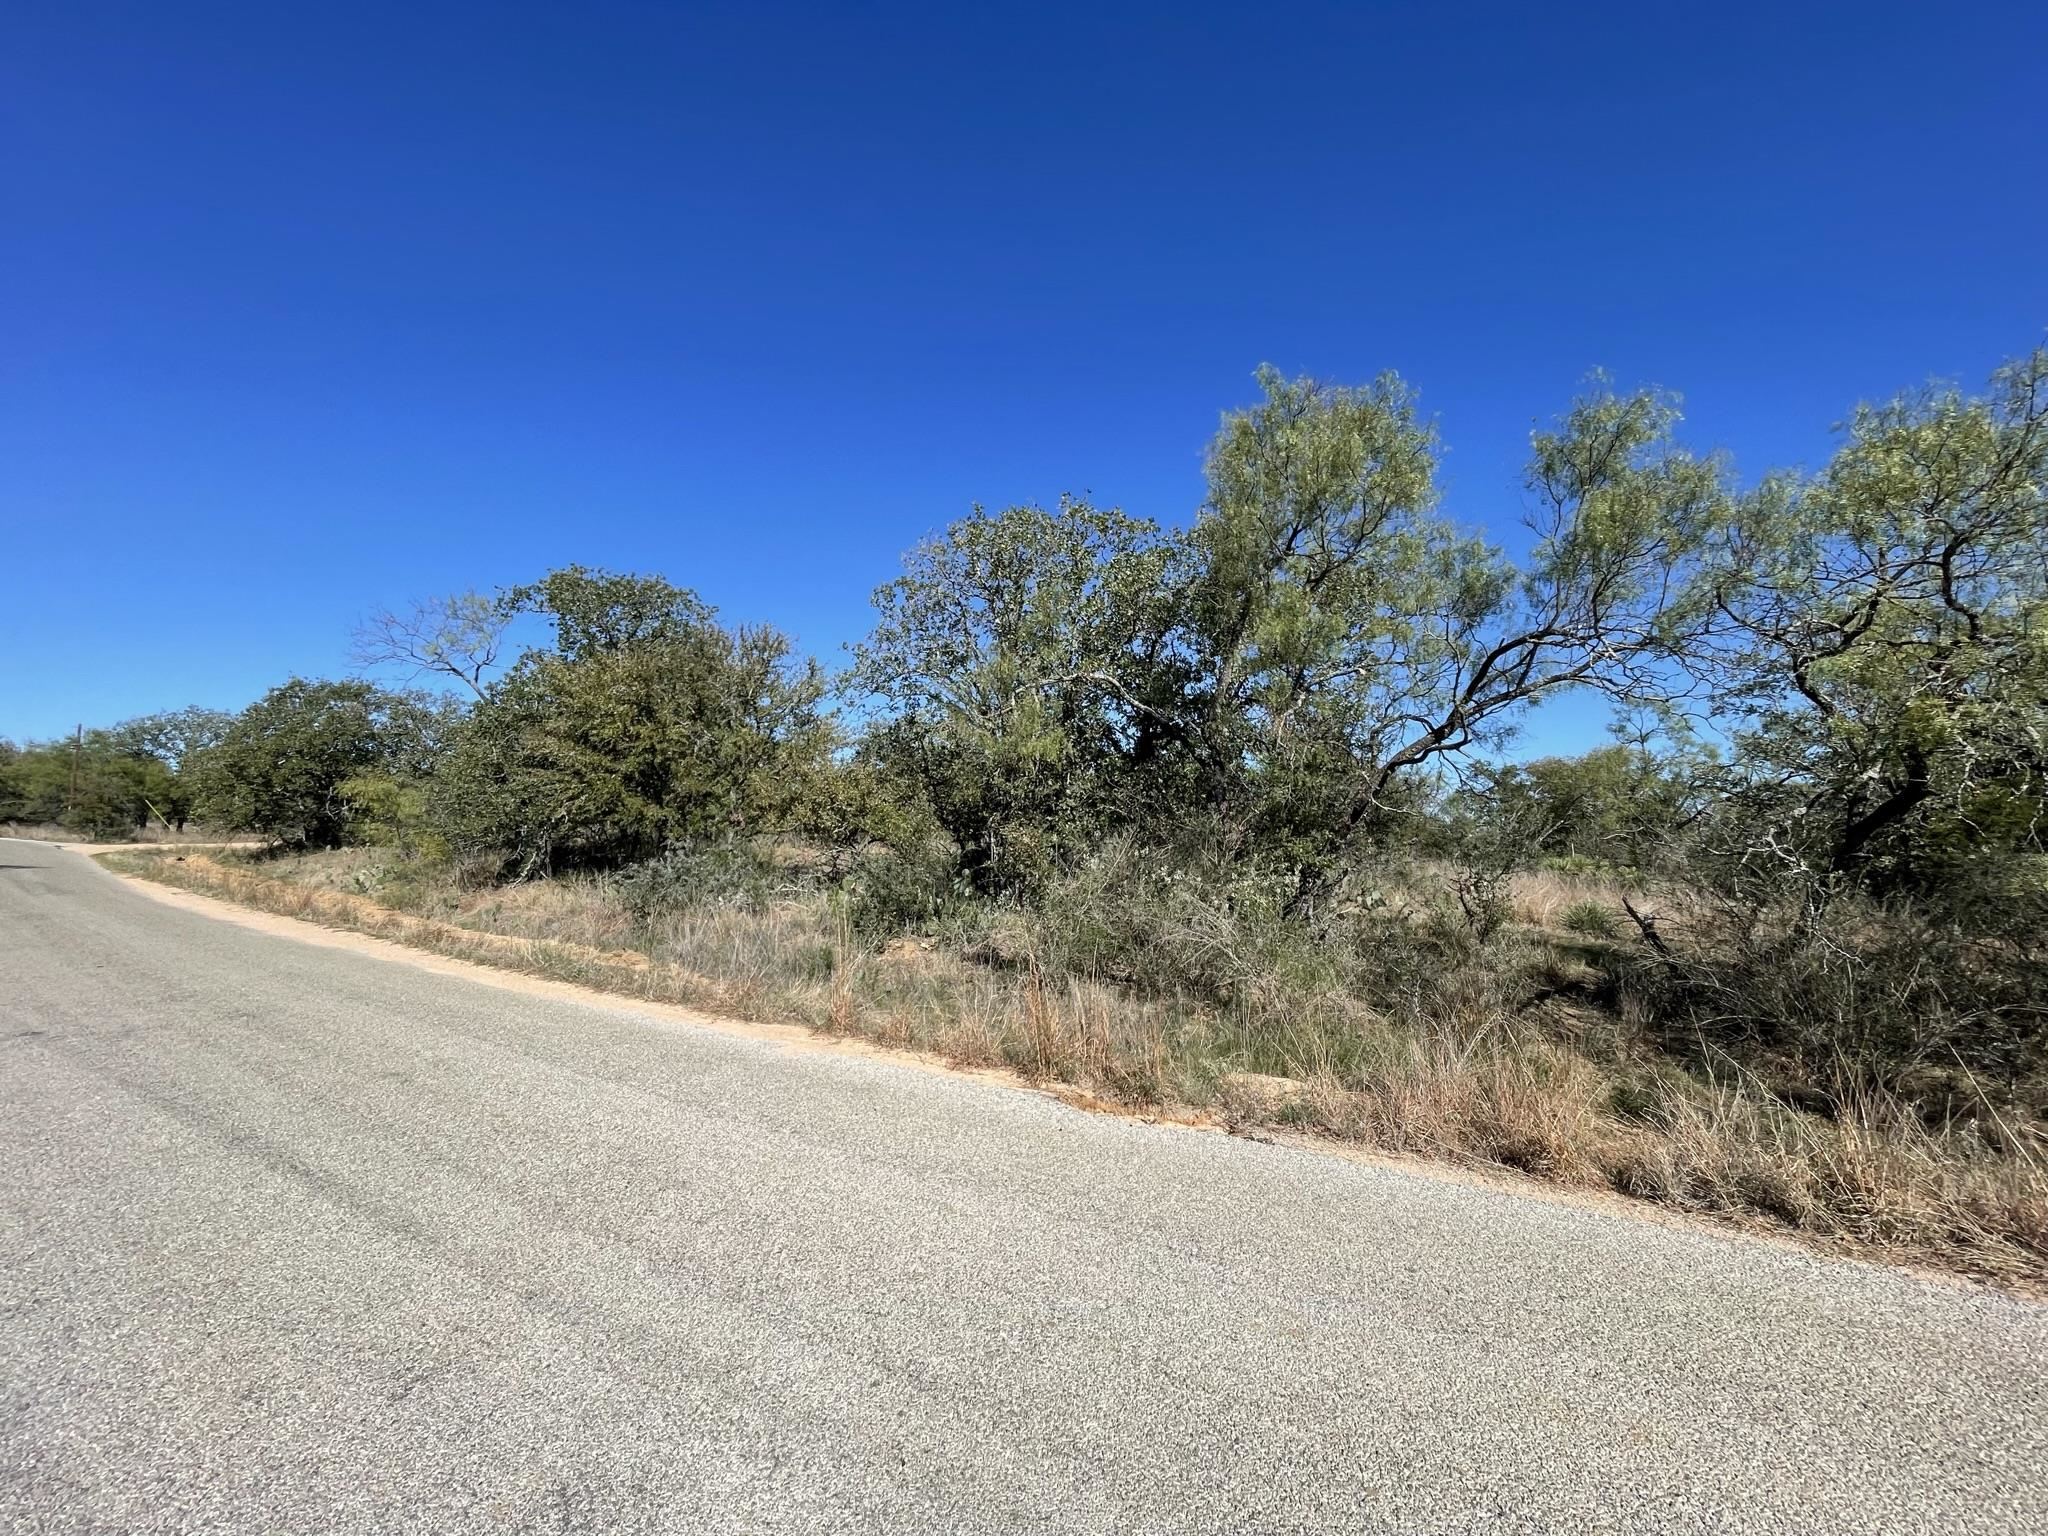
{"points": [[1226, 815]]}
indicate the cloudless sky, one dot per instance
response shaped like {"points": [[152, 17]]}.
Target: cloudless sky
{"points": [[304, 310]]}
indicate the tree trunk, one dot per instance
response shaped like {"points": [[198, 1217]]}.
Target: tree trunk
{"points": [[1853, 843]]}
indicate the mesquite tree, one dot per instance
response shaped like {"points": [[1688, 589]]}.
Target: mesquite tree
{"points": [[1880, 636], [1273, 675]]}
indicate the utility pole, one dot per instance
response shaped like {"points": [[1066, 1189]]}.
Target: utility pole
{"points": [[77, 746]]}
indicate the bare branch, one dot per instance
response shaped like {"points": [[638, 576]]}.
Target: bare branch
{"points": [[459, 636]]}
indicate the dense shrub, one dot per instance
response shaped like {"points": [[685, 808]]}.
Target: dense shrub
{"points": [[891, 892], [1131, 915], [281, 769], [1875, 995], [730, 874], [649, 726]]}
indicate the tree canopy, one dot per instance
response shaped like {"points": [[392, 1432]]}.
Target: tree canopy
{"points": [[282, 769], [645, 725], [1878, 641], [1320, 633], [1285, 684]]}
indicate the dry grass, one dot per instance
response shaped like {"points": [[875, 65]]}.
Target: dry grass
{"points": [[1542, 897], [792, 963], [1454, 1068]]}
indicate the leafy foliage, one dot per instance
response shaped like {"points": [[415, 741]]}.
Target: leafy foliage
{"points": [[1611, 807], [282, 769], [1271, 683], [1022, 657], [1879, 637], [101, 784], [647, 726]]}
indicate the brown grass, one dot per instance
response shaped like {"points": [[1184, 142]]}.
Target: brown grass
{"points": [[1451, 1072], [1543, 896]]}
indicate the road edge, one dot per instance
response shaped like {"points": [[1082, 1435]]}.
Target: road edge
{"points": [[798, 1039]]}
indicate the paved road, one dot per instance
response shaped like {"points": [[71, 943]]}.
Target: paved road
{"points": [[299, 1240]]}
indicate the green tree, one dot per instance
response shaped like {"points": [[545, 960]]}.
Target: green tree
{"points": [[281, 768], [647, 726], [1349, 636], [176, 739], [98, 785], [1024, 663], [35, 781], [593, 611], [1271, 681], [1614, 805], [1881, 649]]}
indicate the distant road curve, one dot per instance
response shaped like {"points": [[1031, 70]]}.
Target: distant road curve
{"points": [[299, 1239]]}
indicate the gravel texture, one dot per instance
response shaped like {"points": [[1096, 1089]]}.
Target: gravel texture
{"points": [[294, 1239]]}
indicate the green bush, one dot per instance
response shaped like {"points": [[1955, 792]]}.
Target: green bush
{"points": [[390, 813], [891, 893], [648, 726], [283, 767], [1873, 995], [723, 875], [1592, 918], [1135, 915]]}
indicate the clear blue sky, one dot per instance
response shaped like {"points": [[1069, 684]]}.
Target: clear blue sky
{"points": [[309, 309]]}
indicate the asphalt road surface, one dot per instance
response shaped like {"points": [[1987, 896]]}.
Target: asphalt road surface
{"points": [[294, 1239]]}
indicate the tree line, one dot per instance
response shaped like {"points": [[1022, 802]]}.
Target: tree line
{"points": [[1826, 683]]}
